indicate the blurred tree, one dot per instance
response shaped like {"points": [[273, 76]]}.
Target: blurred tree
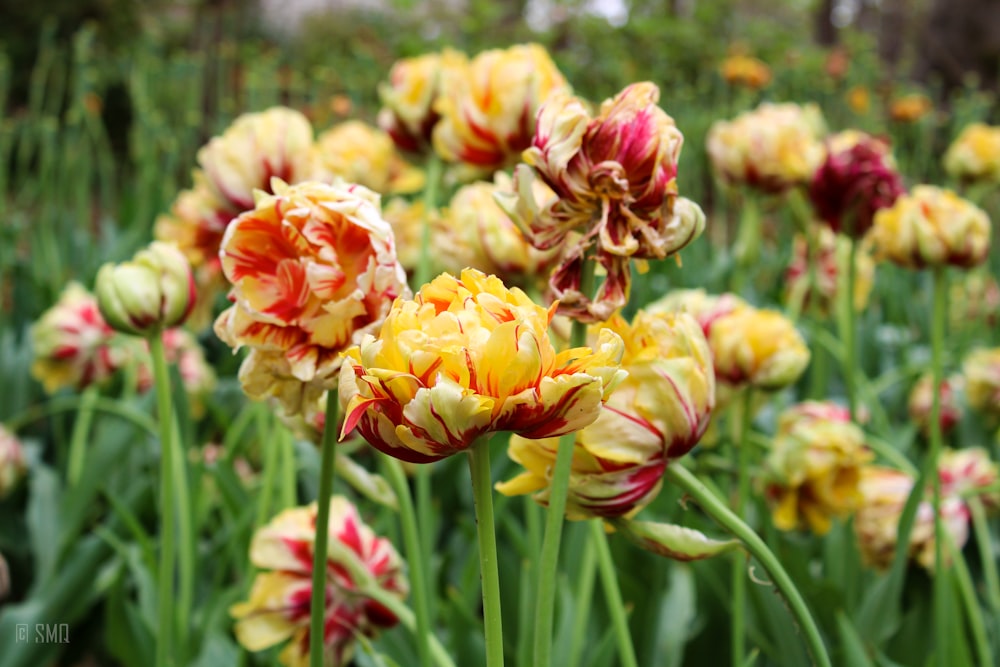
{"points": [[962, 37]]}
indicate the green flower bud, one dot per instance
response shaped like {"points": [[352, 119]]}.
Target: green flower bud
{"points": [[152, 292]]}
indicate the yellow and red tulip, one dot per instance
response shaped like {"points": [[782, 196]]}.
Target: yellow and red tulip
{"points": [[829, 250], [932, 226], [408, 114], [876, 523], [276, 143], [814, 467], [772, 148], [362, 154], [981, 369], [922, 396], [313, 268], [73, 345], [657, 413], [969, 472], [488, 108], [975, 154], [746, 71], [464, 358], [279, 603]]}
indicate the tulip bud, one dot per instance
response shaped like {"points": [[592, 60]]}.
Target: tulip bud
{"points": [[982, 381], [152, 292], [670, 541], [758, 347], [12, 463]]}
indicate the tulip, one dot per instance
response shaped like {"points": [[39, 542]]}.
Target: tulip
{"points": [[362, 154], [742, 70], [488, 108], [975, 154], [975, 297], [829, 247], [932, 227], [279, 603], [467, 357], [615, 182], [814, 466], [876, 523], [772, 148], [257, 147], [152, 292], [853, 183], [968, 472], [73, 345], [408, 114], [761, 348], [921, 398], [12, 463], [657, 413], [909, 108], [982, 380]]}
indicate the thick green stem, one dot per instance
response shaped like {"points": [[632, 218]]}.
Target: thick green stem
{"points": [[165, 586], [327, 460], [741, 418], [938, 315], [715, 508], [81, 431], [558, 488], [415, 557], [423, 273], [612, 594], [747, 248], [185, 543], [482, 494]]}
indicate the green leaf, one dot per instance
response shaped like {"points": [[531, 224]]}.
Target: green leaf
{"points": [[677, 614], [673, 541], [44, 520], [854, 652]]}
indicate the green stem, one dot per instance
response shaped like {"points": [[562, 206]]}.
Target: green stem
{"points": [[415, 557], [612, 594], [747, 248], [584, 591], [434, 168], [985, 545], [741, 418], [938, 314], [165, 587], [185, 543], [271, 442], [328, 457], [482, 494], [973, 612], [81, 430], [558, 488], [691, 485], [287, 497], [846, 296]]}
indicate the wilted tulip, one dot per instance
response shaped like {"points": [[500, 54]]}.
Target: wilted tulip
{"points": [[854, 182], [615, 182], [932, 227], [657, 413], [488, 108], [467, 357], [152, 292], [772, 148], [12, 463], [278, 608], [73, 346], [313, 268], [814, 467]]}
